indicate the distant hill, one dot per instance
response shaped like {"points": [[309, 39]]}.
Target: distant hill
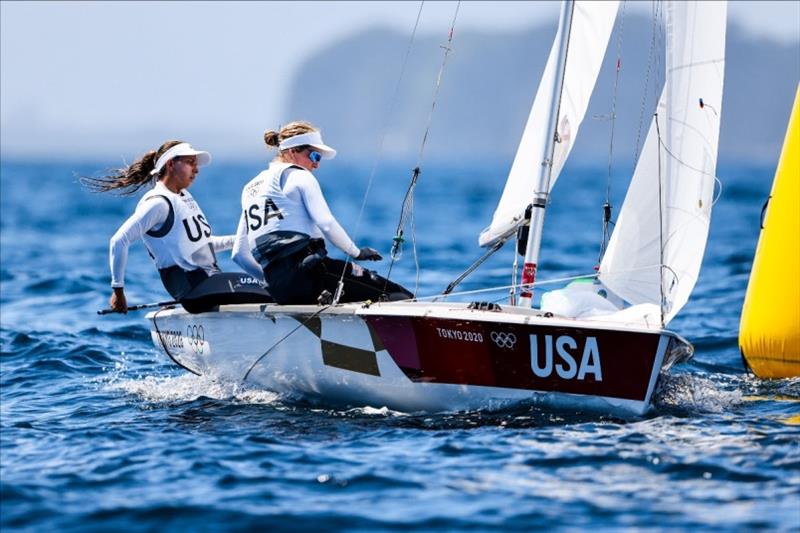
{"points": [[490, 82]]}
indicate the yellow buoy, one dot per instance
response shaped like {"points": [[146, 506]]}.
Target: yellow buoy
{"points": [[769, 332]]}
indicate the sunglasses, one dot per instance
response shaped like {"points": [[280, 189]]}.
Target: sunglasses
{"points": [[315, 156]]}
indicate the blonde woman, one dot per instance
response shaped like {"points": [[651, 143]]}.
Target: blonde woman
{"points": [[285, 222]]}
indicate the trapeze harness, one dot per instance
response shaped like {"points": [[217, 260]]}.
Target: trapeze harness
{"points": [[286, 240]]}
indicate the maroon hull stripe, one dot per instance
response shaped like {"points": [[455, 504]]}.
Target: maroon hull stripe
{"points": [[532, 357]]}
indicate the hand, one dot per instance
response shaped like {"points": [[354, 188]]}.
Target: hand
{"points": [[368, 253], [117, 301]]}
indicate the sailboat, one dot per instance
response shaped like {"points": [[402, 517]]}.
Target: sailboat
{"points": [[435, 356]]}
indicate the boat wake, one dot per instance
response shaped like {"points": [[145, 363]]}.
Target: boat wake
{"points": [[188, 388], [695, 394]]}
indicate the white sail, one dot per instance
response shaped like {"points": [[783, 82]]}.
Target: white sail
{"points": [[657, 247], [592, 23]]}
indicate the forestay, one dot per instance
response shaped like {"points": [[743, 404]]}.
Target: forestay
{"points": [[655, 252], [592, 23]]}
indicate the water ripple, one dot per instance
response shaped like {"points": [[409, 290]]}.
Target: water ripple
{"points": [[101, 432]]}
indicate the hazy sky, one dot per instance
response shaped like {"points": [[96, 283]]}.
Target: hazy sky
{"points": [[100, 78]]}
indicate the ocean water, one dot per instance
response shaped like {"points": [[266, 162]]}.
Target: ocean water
{"points": [[99, 431]]}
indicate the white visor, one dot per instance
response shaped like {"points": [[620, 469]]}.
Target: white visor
{"points": [[182, 149], [313, 139]]}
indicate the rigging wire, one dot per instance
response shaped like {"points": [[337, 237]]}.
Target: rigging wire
{"points": [[392, 105], [436, 297], [407, 208], [440, 296], [660, 225], [414, 248], [607, 205], [512, 294], [650, 60]]}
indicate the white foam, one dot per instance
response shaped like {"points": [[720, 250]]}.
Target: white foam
{"points": [[188, 387], [697, 393], [375, 411]]}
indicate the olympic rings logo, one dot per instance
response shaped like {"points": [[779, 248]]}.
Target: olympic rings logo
{"points": [[504, 340], [196, 337]]}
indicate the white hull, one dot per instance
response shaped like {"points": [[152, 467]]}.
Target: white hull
{"points": [[416, 357]]}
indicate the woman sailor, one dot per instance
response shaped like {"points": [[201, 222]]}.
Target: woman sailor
{"points": [[284, 219], [175, 231]]}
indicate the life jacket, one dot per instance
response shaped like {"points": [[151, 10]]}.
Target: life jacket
{"points": [[183, 240], [277, 225]]}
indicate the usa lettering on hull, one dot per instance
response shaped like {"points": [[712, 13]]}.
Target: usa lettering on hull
{"points": [[532, 357], [565, 348]]}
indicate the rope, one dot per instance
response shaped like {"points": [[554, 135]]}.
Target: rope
{"points": [[685, 164], [414, 248], [300, 325], [513, 287], [660, 224], [607, 204], [436, 297], [164, 345], [447, 49], [512, 295], [392, 105], [647, 81], [407, 208]]}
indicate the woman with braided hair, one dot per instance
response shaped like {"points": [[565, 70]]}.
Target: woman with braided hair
{"points": [[286, 220], [174, 229]]}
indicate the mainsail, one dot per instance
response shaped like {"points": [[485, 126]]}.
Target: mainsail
{"points": [[592, 23], [655, 252]]}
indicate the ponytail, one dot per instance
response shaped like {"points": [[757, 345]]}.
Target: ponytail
{"points": [[274, 138], [131, 179]]}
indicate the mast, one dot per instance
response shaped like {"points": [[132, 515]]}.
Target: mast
{"points": [[542, 184]]}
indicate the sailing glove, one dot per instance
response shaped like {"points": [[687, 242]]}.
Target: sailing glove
{"points": [[368, 253]]}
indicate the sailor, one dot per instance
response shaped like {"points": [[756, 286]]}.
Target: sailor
{"points": [[285, 221], [174, 229]]}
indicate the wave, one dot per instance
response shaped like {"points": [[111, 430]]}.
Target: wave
{"points": [[188, 388], [695, 394]]}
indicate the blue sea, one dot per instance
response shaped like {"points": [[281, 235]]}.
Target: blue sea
{"points": [[99, 431]]}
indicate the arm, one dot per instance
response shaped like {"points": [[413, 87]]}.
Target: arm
{"points": [[152, 214], [242, 255], [321, 214], [222, 242]]}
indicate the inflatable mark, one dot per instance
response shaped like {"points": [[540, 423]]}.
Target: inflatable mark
{"points": [[769, 332]]}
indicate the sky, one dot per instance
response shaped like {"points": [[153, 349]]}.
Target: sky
{"points": [[94, 79]]}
